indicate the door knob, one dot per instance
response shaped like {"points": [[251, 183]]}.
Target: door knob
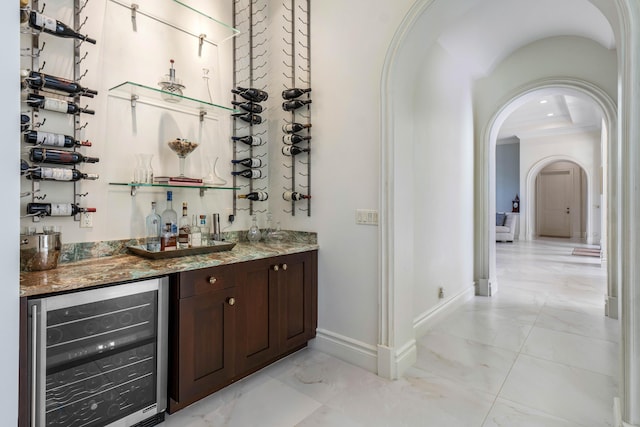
{"points": [[231, 301]]}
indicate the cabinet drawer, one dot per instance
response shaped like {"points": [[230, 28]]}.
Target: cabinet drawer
{"points": [[198, 282]]}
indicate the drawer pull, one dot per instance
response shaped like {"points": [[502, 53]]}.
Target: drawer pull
{"points": [[284, 266], [231, 301], [212, 280], [276, 268]]}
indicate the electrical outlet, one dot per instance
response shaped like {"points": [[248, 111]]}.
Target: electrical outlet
{"points": [[86, 220], [441, 292]]}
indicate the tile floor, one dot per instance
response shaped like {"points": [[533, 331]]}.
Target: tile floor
{"points": [[540, 353]]}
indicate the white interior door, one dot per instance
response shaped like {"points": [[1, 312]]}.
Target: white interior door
{"points": [[555, 196]]}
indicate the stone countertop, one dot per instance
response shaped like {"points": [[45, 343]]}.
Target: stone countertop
{"points": [[125, 268]]}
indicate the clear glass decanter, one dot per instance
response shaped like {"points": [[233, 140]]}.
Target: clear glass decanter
{"points": [[254, 235]]}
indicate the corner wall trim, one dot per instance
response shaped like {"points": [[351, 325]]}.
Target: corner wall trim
{"points": [[427, 320]]}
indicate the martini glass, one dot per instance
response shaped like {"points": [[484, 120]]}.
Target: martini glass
{"points": [[182, 148]]}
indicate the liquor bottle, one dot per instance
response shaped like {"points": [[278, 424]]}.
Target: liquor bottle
{"points": [[251, 94], [292, 150], [295, 127], [204, 230], [294, 93], [52, 26], [52, 104], [185, 229], [37, 80], [168, 239], [295, 104], [53, 139], [248, 106], [24, 122], [60, 157], [294, 138], [253, 119], [257, 196], [249, 140], [56, 209], [195, 236], [249, 173], [250, 162], [294, 196], [58, 174], [154, 229], [169, 216]]}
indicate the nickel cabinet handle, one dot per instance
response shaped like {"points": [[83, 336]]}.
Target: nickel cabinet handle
{"points": [[212, 280], [231, 301]]}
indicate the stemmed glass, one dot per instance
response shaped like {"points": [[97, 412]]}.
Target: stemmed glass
{"points": [[182, 148]]}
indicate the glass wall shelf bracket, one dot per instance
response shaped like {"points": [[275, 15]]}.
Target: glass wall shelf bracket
{"points": [[137, 92], [200, 25], [135, 185]]}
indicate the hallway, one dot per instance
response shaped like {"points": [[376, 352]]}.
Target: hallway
{"points": [[538, 354]]}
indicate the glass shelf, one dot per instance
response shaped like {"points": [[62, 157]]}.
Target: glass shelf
{"points": [[200, 24], [135, 185], [135, 91]]}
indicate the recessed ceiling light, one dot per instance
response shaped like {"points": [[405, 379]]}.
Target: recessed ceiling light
{"points": [[544, 101], [550, 115]]}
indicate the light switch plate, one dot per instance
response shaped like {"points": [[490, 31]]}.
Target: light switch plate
{"points": [[366, 216]]}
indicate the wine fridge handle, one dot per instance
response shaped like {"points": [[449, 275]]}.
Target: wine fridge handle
{"points": [[34, 363]]}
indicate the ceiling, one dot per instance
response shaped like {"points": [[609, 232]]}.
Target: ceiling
{"points": [[490, 30]]}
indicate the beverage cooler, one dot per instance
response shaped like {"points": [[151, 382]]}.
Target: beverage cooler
{"points": [[98, 357]]}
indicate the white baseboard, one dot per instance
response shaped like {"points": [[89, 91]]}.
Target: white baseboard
{"points": [[352, 351], [427, 320], [617, 414], [406, 357], [611, 307]]}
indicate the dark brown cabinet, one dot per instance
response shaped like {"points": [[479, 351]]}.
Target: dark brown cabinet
{"points": [[229, 321]]}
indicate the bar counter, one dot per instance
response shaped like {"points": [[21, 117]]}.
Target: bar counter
{"points": [[125, 267]]}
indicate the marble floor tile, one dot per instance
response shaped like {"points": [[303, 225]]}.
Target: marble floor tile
{"points": [[477, 365], [575, 394], [569, 349], [588, 325], [510, 414]]}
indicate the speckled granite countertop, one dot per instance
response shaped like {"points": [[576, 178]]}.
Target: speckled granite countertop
{"points": [[124, 267]]}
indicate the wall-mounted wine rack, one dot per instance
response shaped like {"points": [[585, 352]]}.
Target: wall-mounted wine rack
{"points": [[38, 64], [297, 26], [250, 52]]}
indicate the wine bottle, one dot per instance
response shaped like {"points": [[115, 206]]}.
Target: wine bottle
{"points": [[259, 196], [253, 119], [251, 94], [292, 150], [53, 139], [56, 209], [52, 104], [294, 196], [295, 104], [294, 139], [249, 140], [248, 106], [294, 93], [24, 122], [24, 12], [37, 80], [24, 167], [250, 162], [60, 157], [52, 26], [295, 127], [58, 174], [249, 173]]}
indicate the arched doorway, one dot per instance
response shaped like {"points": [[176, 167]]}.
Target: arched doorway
{"points": [[395, 328]]}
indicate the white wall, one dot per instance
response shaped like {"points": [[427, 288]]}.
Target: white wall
{"points": [[9, 261], [443, 181], [583, 149]]}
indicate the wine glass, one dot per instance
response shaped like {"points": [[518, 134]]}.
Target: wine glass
{"points": [[182, 147]]}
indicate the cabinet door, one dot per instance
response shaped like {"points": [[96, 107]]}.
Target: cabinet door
{"points": [[205, 343], [257, 339], [296, 289]]}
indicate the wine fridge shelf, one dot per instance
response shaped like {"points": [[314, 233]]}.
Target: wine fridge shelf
{"points": [[135, 185], [207, 24], [139, 92]]}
